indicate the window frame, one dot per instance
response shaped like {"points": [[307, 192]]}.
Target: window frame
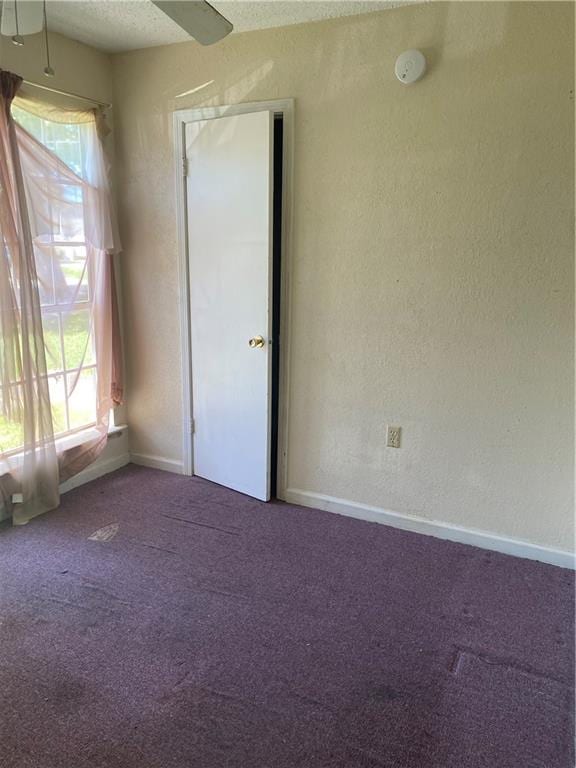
{"points": [[61, 376]]}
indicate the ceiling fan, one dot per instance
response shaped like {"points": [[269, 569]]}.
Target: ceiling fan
{"points": [[198, 18]]}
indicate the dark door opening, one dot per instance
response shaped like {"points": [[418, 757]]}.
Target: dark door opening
{"points": [[276, 293]]}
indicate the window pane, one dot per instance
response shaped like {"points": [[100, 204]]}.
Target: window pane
{"points": [[68, 151], [62, 138], [43, 258], [64, 279], [68, 204], [78, 346], [58, 403], [82, 398], [11, 432], [30, 122], [59, 132], [51, 327], [70, 274]]}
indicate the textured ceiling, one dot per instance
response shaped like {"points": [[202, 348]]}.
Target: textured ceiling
{"points": [[124, 25]]}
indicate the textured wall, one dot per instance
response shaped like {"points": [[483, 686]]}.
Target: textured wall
{"points": [[433, 248], [78, 67]]}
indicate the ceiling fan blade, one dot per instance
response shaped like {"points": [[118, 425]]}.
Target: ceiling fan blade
{"points": [[30, 17], [198, 18]]}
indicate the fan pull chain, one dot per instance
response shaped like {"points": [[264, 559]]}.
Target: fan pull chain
{"points": [[48, 70], [17, 39]]}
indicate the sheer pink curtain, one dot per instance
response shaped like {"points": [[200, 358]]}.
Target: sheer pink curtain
{"points": [[46, 209], [25, 395]]}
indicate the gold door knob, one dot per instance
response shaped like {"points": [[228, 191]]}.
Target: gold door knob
{"points": [[256, 342]]}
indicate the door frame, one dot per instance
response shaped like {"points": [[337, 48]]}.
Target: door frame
{"points": [[181, 118]]}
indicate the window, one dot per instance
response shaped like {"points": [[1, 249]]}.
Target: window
{"points": [[64, 139], [65, 285]]}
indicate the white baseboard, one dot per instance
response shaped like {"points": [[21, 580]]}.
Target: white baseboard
{"points": [[157, 462], [440, 530], [98, 469]]}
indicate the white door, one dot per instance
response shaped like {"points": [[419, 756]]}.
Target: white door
{"points": [[229, 206]]}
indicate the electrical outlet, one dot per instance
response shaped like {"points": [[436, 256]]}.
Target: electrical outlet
{"points": [[393, 437]]}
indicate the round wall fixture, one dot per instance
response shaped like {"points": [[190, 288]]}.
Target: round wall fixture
{"points": [[410, 66]]}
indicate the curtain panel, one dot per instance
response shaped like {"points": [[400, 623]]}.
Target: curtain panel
{"points": [[56, 268]]}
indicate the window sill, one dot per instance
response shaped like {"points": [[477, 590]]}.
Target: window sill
{"points": [[114, 429], [65, 443]]}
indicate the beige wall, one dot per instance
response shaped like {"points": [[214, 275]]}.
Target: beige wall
{"points": [[432, 266], [78, 67]]}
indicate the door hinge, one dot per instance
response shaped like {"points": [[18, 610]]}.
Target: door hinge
{"points": [[192, 426], [185, 167]]}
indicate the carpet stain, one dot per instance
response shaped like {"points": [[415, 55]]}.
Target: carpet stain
{"points": [[385, 693], [106, 533]]}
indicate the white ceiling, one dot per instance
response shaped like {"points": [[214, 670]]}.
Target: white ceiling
{"points": [[124, 25]]}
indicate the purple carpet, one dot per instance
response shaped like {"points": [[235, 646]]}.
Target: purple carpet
{"points": [[198, 628]]}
